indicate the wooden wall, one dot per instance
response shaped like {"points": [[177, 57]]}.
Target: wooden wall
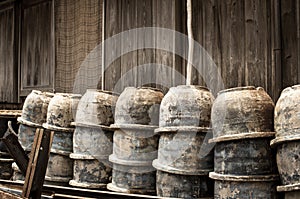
{"points": [[252, 42], [241, 38], [122, 15]]}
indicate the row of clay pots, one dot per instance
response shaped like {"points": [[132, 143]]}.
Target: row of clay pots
{"points": [[53, 112]]}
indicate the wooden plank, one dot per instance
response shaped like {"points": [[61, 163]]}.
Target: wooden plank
{"points": [[8, 55], [275, 75], [146, 71], [37, 165], [224, 37], [129, 60], [32, 163], [112, 26], [164, 60], [236, 44], [290, 49], [42, 162]]}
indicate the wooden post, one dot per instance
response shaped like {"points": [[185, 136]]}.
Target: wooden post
{"points": [[37, 165]]}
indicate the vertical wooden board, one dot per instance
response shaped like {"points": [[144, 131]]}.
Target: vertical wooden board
{"points": [[216, 49], [129, 60], [8, 56], [290, 48], [224, 37], [37, 43], [178, 69], [112, 72], [211, 58], [275, 81], [164, 59], [236, 58], [146, 71], [256, 42], [198, 27]]}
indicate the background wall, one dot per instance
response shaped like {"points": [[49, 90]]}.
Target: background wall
{"points": [[43, 43]]}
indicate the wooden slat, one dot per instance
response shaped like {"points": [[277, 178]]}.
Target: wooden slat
{"points": [[37, 165], [129, 60], [32, 163], [165, 60], [290, 42], [8, 55], [112, 26], [145, 73]]}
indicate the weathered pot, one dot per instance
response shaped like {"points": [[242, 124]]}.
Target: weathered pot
{"points": [[132, 176], [242, 111], [183, 186], [35, 108], [90, 172], [17, 174], [184, 155], [96, 107], [245, 187], [287, 114], [290, 191], [26, 136], [62, 142], [60, 168], [288, 154], [61, 111], [92, 140], [134, 149], [92, 146], [186, 106], [138, 106], [184, 152], [245, 157], [135, 142]]}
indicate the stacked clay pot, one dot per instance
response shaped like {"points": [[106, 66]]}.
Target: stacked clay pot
{"points": [[60, 115], [93, 139], [244, 163], [134, 142], [184, 156], [33, 116], [287, 141]]}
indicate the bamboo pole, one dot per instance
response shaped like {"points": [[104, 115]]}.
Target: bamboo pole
{"points": [[191, 43]]}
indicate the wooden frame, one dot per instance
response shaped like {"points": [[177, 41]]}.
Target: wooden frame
{"points": [[45, 83]]}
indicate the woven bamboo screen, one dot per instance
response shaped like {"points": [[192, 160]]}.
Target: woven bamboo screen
{"points": [[78, 25]]}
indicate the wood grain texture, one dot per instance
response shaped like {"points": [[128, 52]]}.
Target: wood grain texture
{"points": [[37, 46], [136, 68], [112, 26], [290, 23], [238, 36], [8, 55]]}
